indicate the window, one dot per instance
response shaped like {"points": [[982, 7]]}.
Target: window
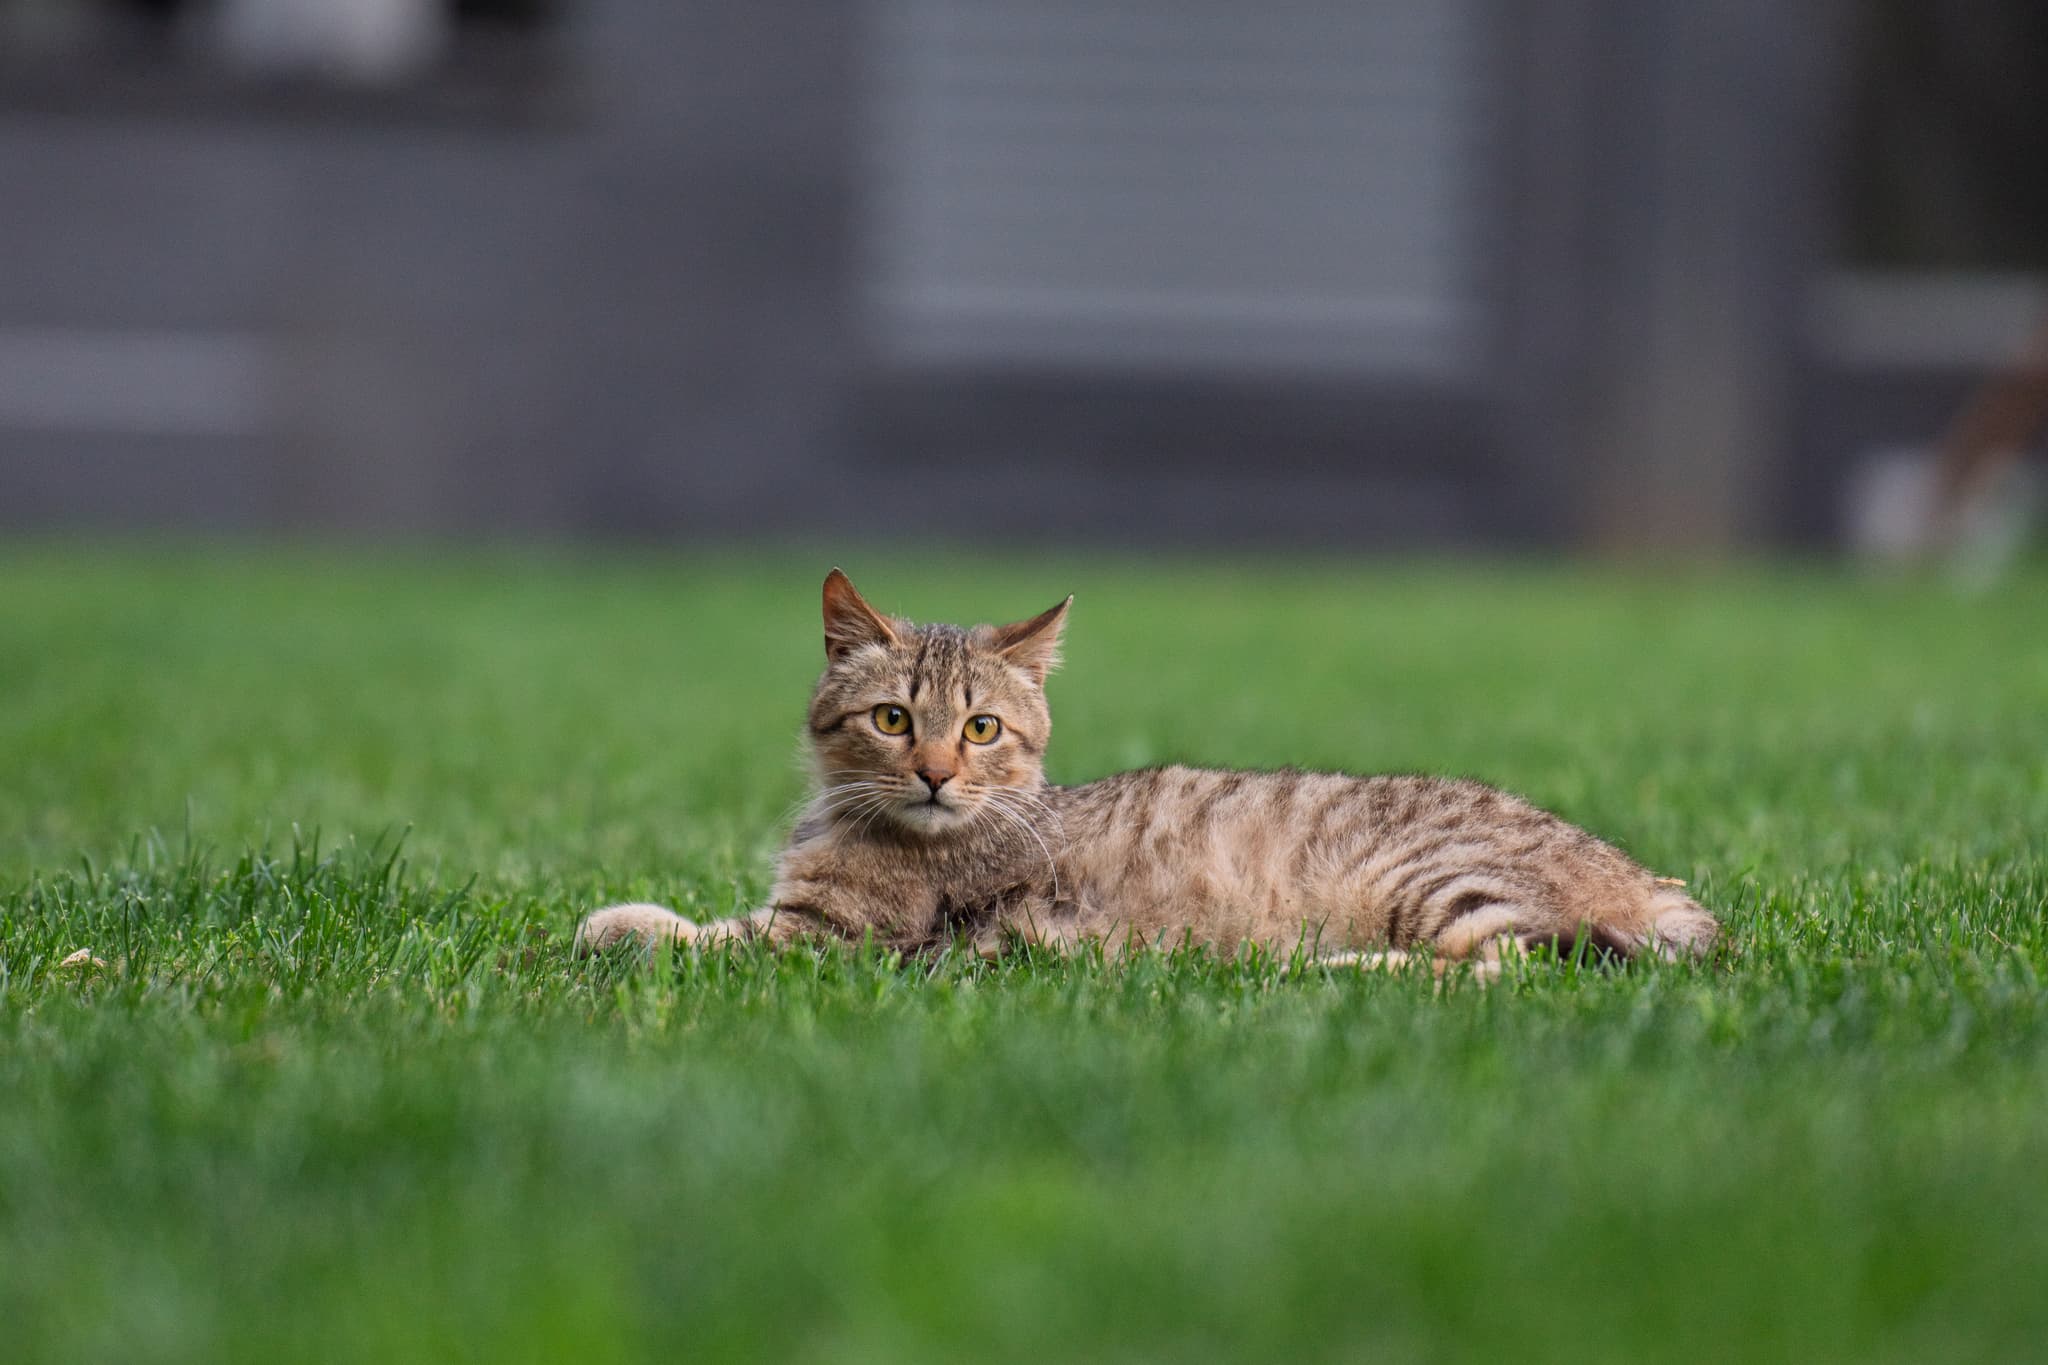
{"points": [[1173, 183]]}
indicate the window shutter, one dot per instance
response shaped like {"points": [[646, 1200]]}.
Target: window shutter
{"points": [[1175, 183]]}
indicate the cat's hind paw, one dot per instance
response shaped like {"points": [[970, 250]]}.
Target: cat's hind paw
{"points": [[652, 925]]}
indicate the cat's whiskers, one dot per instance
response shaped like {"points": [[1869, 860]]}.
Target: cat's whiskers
{"points": [[1026, 805], [1017, 818], [1033, 803], [861, 778], [863, 795], [886, 799], [833, 799], [822, 798], [852, 811], [794, 813], [869, 799], [857, 825], [850, 821]]}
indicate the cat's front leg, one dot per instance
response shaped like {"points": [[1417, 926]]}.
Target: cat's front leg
{"points": [[652, 925], [779, 926], [655, 925]]}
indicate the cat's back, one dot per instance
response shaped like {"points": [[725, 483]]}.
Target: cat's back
{"points": [[1273, 856], [1159, 808]]}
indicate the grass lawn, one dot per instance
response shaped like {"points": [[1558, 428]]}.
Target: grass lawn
{"points": [[340, 1092]]}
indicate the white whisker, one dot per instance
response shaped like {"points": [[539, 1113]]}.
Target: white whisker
{"points": [[859, 801], [1017, 819], [856, 816], [1019, 794], [1010, 796], [833, 799], [822, 797], [881, 807]]}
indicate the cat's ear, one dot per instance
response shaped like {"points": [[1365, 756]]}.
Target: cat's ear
{"points": [[849, 621], [1034, 645]]}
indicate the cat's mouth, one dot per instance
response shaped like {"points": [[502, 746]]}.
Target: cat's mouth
{"points": [[934, 812]]}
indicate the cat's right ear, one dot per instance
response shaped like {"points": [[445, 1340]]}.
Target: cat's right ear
{"points": [[850, 622]]}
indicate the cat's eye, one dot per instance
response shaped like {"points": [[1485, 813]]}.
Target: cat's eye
{"points": [[983, 729], [892, 720]]}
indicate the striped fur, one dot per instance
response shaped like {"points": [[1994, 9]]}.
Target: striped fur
{"points": [[925, 837]]}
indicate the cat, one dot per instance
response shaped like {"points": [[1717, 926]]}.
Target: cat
{"points": [[934, 824]]}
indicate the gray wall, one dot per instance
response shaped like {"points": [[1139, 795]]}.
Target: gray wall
{"points": [[630, 315], [652, 306]]}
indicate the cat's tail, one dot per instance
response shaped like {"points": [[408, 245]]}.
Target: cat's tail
{"points": [[652, 925]]}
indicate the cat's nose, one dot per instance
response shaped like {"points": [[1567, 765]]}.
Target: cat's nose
{"points": [[935, 778]]}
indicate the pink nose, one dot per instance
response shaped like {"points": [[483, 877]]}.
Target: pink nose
{"points": [[935, 778]]}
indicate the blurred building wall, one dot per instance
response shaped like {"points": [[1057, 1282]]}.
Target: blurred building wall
{"points": [[1356, 271], [618, 306]]}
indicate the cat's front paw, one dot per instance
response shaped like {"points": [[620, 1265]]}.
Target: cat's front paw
{"points": [[652, 925]]}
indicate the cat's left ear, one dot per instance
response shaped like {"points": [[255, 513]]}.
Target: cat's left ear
{"points": [[1034, 645]]}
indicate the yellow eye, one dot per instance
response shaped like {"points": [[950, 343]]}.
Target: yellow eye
{"points": [[892, 720], [983, 729]]}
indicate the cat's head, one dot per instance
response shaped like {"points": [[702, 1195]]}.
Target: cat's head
{"points": [[932, 729]]}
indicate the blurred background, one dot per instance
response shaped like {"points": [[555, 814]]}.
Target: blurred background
{"points": [[1648, 275]]}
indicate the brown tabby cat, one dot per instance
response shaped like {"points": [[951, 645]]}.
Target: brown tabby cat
{"points": [[935, 823]]}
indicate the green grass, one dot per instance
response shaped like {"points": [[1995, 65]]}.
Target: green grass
{"points": [[340, 1091]]}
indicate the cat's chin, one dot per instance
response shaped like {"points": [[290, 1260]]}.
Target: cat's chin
{"points": [[929, 817]]}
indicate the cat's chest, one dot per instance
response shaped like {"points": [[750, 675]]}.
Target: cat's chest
{"points": [[920, 895], [968, 894]]}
